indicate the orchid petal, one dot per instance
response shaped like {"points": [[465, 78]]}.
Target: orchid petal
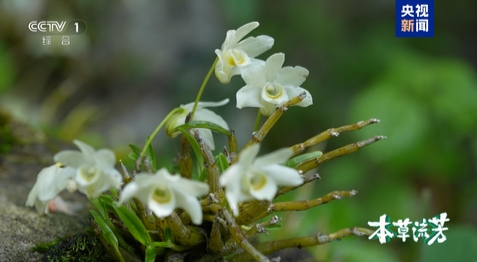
{"points": [[248, 97], [105, 158], [255, 46], [282, 175], [294, 92], [71, 158], [237, 35], [247, 156], [190, 204], [292, 76], [277, 157], [273, 65]]}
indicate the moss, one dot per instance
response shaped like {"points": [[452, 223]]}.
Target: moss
{"points": [[82, 247]]}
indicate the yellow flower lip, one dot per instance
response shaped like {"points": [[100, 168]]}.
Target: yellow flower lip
{"points": [[273, 92], [230, 60], [162, 195], [258, 181], [88, 173]]}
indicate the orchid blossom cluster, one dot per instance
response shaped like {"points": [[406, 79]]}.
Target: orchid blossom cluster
{"points": [[91, 172], [215, 201]]}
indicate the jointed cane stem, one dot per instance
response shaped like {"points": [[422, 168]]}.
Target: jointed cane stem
{"points": [[258, 136], [239, 237], [314, 163], [332, 132], [307, 204], [319, 239], [342, 151]]}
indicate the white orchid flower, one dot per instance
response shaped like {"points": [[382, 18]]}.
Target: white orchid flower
{"points": [[49, 183], [258, 178], [163, 192], [236, 54], [95, 171], [269, 86], [201, 114]]}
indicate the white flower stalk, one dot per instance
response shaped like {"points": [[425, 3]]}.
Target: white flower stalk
{"points": [[258, 178], [201, 114], [95, 171], [269, 86], [236, 54], [163, 192], [49, 183]]}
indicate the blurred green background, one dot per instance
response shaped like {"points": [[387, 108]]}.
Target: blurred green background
{"points": [[139, 59]]}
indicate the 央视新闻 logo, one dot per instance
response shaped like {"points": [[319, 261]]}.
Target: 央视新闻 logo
{"points": [[414, 18]]}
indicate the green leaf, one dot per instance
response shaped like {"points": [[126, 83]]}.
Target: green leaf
{"points": [[150, 254], [223, 162], [107, 232], [203, 175], [274, 227], [135, 149], [294, 162], [134, 224], [133, 156], [168, 235], [170, 245], [194, 144], [204, 124], [107, 201], [100, 206]]}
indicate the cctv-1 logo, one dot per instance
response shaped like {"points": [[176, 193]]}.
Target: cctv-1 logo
{"points": [[46, 26]]}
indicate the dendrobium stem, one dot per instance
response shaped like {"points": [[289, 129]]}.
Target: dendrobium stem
{"points": [[307, 204], [240, 238], [233, 147], [319, 239], [210, 165], [145, 214], [202, 87], [126, 177], [261, 227], [259, 135], [184, 235], [185, 159], [215, 240], [148, 142], [342, 151], [314, 163], [332, 132]]}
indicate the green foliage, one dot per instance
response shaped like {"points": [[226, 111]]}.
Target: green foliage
{"points": [[294, 162], [134, 224], [195, 146], [203, 124], [136, 151], [107, 232], [221, 159]]}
